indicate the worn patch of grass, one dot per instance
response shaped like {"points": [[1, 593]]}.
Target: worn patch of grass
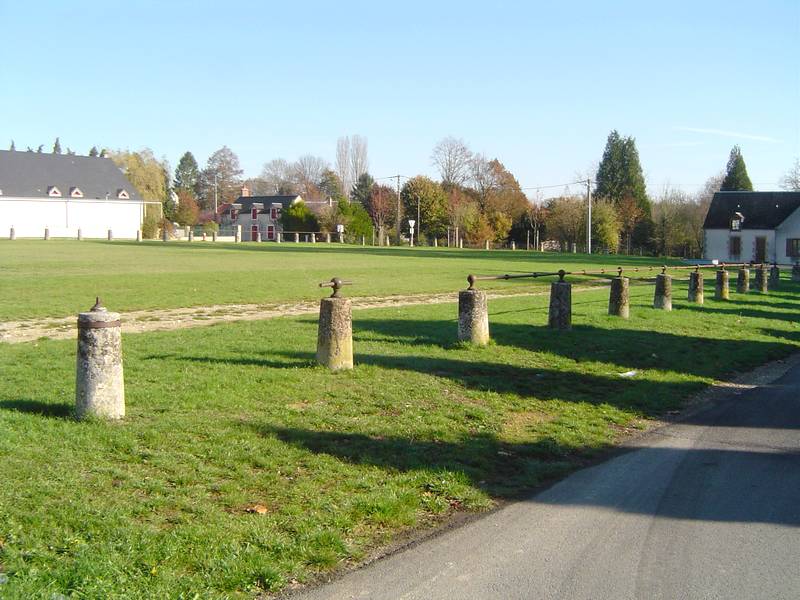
{"points": [[226, 417], [61, 277]]}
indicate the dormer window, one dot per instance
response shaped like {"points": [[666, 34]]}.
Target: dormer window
{"points": [[75, 192], [233, 214], [736, 224], [254, 213], [53, 191], [123, 194]]}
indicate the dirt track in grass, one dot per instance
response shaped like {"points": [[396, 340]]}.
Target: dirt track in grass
{"points": [[140, 321]]}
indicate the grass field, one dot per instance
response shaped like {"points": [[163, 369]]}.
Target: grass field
{"points": [[242, 466], [56, 278]]}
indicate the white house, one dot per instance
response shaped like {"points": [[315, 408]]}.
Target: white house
{"points": [[753, 227], [64, 193]]}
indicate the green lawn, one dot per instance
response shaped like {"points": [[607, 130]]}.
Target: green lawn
{"points": [[226, 417], [61, 277]]}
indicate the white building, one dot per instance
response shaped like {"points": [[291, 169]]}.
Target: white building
{"points": [[753, 227], [64, 193]]}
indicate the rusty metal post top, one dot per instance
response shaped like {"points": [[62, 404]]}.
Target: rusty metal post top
{"points": [[619, 271], [561, 274], [471, 281], [663, 269], [336, 284], [98, 305]]}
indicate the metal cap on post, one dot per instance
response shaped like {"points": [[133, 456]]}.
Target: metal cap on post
{"points": [[99, 384], [473, 315], [335, 333]]}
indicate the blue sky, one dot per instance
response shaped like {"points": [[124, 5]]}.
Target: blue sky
{"points": [[537, 85]]}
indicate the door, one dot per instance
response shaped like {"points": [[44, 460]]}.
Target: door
{"points": [[254, 233], [761, 250]]}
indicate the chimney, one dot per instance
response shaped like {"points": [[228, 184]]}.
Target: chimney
{"points": [[245, 191]]}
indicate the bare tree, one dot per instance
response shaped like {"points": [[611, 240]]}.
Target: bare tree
{"points": [[452, 158], [483, 178], [629, 213], [359, 161], [343, 164], [564, 218], [277, 177], [791, 180], [308, 170]]}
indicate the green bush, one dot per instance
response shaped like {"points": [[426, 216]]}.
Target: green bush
{"points": [[210, 227], [150, 227]]}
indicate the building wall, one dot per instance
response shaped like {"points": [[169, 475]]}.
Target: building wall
{"points": [[64, 216], [264, 221], [717, 244], [789, 229]]}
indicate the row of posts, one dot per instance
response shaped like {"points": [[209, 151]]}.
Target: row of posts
{"points": [[473, 314]]}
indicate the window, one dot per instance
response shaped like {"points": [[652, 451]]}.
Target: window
{"points": [[274, 213], [793, 247], [736, 224], [254, 214], [736, 247], [270, 232], [233, 214]]}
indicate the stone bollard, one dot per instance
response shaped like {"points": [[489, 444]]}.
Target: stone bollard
{"points": [[47, 233], [618, 298], [461, 243], [774, 277], [258, 236], [796, 272], [761, 279], [473, 315], [99, 385], [743, 280], [110, 236], [12, 234], [278, 237], [80, 234], [560, 313], [296, 238], [327, 238], [313, 238], [341, 238], [696, 287], [204, 236], [435, 242], [513, 245], [164, 234], [213, 236], [190, 237], [663, 295], [335, 334], [721, 290], [363, 240], [138, 235], [237, 235], [487, 244]]}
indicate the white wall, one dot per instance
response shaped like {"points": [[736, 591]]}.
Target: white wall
{"points": [[30, 216], [717, 244], [789, 229]]}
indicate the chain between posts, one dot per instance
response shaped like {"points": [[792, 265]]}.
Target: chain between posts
{"points": [[336, 284], [471, 278]]}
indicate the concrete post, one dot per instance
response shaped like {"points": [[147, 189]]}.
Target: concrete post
{"points": [[513, 245], [327, 238], [99, 385], [435, 242], [663, 295], [213, 236], [191, 235], [341, 238], [363, 240], [721, 290], [574, 248], [487, 244], [618, 299], [774, 277], [743, 280], [138, 235], [761, 279], [796, 272], [110, 236], [335, 334], [696, 287], [473, 316], [80, 234], [47, 233], [313, 238], [258, 236], [560, 313], [164, 234], [237, 234], [12, 234], [278, 237], [205, 237], [461, 243]]}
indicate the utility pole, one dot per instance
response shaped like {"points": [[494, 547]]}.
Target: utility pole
{"points": [[419, 221], [589, 219], [399, 217]]}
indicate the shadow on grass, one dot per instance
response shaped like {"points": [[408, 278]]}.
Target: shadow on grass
{"points": [[747, 312], [36, 407], [748, 486]]}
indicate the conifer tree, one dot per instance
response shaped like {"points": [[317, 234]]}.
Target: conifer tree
{"points": [[57, 147], [13, 147], [736, 177], [94, 152]]}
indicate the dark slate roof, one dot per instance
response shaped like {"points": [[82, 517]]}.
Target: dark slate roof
{"points": [[761, 210], [30, 174], [248, 201]]}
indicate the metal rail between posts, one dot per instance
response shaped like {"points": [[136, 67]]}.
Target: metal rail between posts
{"points": [[614, 271]]}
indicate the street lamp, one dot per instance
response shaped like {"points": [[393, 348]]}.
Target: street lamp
{"points": [[411, 229]]}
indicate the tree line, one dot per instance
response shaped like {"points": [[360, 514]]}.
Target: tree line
{"points": [[476, 198]]}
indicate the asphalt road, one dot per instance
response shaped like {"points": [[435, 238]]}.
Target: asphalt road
{"points": [[708, 508]]}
